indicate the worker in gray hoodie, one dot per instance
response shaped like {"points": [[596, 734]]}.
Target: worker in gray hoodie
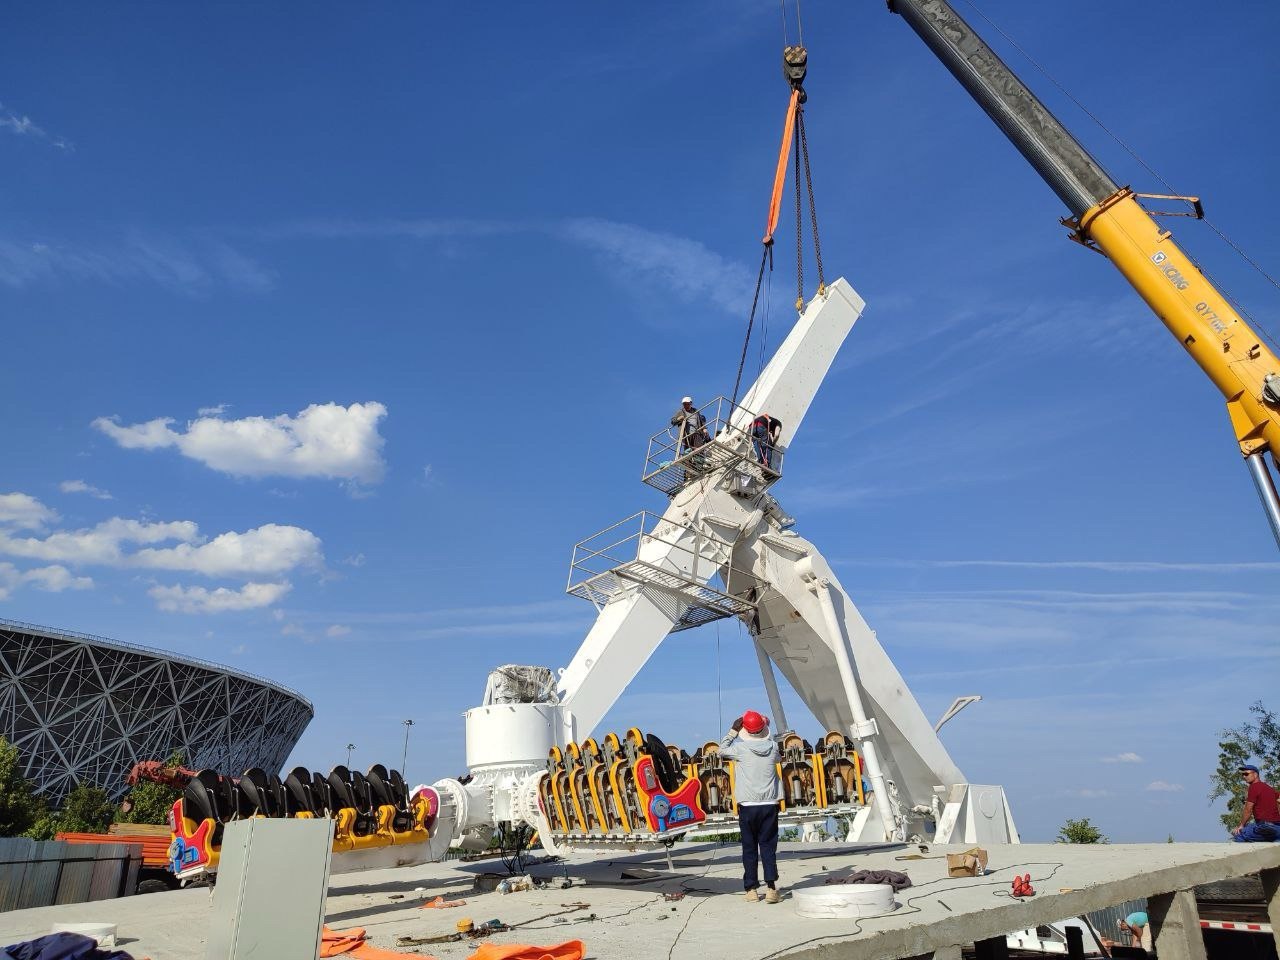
{"points": [[757, 791]]}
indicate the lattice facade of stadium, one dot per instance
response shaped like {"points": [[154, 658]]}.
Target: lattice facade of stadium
{"points": [[84, 709]]}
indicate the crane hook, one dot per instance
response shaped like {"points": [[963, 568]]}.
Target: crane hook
{"points": [[795, 64]]}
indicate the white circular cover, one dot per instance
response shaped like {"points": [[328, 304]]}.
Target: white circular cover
{"points": [[844, 900]]}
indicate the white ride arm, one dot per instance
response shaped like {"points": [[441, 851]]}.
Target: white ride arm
{"points": [[629, 628], [787, 385]]}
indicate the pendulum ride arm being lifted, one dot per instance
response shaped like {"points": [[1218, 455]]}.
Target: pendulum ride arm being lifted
{"points": [[1109, 219], [723, 547], [801, 620]]}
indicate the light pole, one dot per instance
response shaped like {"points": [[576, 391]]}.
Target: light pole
{"points": [[404, 760], [956, 706], [350, 747]]}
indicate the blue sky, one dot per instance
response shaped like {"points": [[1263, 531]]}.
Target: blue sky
{"points": [[328, 331]]}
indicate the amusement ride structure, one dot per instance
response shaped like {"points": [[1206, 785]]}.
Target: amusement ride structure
{"points": [[724, 547]]}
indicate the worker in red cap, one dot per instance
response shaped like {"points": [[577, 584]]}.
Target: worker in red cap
{"points": [[757, 792]]}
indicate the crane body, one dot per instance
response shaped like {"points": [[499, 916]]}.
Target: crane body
{"points": [[1110, 219]]}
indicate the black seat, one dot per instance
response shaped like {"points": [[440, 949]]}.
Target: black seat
{"points": [[279, 802], [366, 809], [379, 790], [320, 794], [340, 788], [255, 794], [663, 765], [351, 790], [297, 793], [400, 798], [209, 796], [400, 791], [199, 797]]}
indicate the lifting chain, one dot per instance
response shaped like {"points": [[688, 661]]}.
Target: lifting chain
{"points": [[799, 222], [813, 206]]}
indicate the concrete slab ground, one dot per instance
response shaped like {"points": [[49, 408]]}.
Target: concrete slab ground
{"points": [[631, 918]]}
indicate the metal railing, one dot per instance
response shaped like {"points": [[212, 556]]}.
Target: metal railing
{"points": [[1107, 920], [715, 436], [675, 559]]}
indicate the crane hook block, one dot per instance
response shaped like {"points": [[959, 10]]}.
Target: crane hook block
{"points": [[795, 64]]}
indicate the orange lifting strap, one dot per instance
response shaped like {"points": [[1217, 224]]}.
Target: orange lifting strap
{"points": [[784, 156]]}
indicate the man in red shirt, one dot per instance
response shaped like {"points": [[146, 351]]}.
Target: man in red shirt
{"points": [[1260, 807]]}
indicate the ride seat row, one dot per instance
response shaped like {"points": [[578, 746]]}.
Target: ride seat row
{"points": [[632, 784]]}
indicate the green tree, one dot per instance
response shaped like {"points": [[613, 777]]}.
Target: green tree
{"points": [[20, 806], [149, 802], [1256, 741], [1080, 831], [87, 809]]}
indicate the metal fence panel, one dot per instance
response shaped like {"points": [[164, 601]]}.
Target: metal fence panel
{"points": [[43, 874], [77, 878], [14, 854], [111, 863]]}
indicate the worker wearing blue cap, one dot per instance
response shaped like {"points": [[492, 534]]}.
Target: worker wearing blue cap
{"points": [[1260, 807]]}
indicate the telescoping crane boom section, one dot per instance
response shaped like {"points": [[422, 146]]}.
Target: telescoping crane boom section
{"points": [[1109, 219]]}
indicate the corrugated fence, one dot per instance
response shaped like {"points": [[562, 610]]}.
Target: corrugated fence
{"points": [[40, 873]]}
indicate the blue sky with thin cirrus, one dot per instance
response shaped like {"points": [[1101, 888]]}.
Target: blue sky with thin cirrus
{"points": [[328, 334]]}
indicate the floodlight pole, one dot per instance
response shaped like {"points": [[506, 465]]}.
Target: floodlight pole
{"points": [[350, 747], [958, 704], [404, 760]]}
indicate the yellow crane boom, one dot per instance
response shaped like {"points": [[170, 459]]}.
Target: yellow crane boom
{"points": [[1110, 219]]}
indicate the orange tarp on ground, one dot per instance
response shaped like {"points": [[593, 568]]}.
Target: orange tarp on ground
{"points": [[570, 950], [334, 943]]}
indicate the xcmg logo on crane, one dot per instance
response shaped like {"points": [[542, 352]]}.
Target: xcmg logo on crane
{"points": [[1173, 273]]}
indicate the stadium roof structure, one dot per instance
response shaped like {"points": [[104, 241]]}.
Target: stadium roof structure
{"points": [[85, 709]]}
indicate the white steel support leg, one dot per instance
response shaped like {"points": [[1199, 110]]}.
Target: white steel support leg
{"points": [[771, 688], [864, 727], [1266, 487]]}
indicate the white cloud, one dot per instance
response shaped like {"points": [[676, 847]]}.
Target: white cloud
{"points": [[688, 268], [24, 512], [51, 579], [355, 560], [23, 126], [180, 599], [324, 440], [1123, 758], [1161, 786], [103, 544], [239, 649], [267, 550], [1087, 793], [214, 411], [79, 486], [292, 630], [178, 266], [337, 630]]}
